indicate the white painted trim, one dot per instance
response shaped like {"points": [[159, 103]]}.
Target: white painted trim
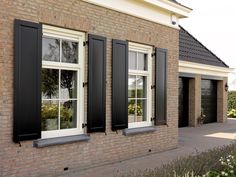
{"points": [[197, 68], [159, 11], [177, 9], [60, 33], [148, 50]]}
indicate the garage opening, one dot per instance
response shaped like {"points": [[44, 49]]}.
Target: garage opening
{"points": [[183, 102], [209, 100]]}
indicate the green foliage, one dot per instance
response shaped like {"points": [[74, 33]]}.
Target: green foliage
{"points": [[231, 100], [205, 164], [232, 113], [131, 109]]}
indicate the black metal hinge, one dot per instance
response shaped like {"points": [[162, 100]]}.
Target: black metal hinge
{"points": [[85, 84], [154, 54], [153, 86], [153, 118], [84, 125], [85, 43]]}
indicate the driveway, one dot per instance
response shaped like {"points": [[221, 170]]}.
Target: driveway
{"points": [[190, 139]]}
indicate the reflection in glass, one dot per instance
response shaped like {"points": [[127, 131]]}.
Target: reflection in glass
{"points": [[49, 115], [132, 86], [141, 110], [68, 84], [69, 52], [131, 110], [142, 61], [68, 114], [132, 60], [141, 87], [51, 49], [50, 83]]}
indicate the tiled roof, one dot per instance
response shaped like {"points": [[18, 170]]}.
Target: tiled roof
{"points": [[190, 49]]}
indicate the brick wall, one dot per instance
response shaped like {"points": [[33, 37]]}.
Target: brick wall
{"points": [[101, 149]]}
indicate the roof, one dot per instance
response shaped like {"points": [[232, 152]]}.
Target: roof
{"points": [[190, 49]]}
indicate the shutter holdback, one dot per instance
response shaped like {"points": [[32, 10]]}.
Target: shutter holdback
{"points": [[85, 43]]}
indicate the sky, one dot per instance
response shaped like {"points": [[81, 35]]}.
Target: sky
{"points": [[213, 22]]}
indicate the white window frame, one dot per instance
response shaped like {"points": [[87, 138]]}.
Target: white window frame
{"points": [[66, 34], [147, 50]]}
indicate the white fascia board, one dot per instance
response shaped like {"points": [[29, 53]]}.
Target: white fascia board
{"points": [[145, 10], [196, 68], [179, 10]]}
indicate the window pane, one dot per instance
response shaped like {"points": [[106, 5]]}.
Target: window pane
{"points": [[50, 83], [141, 87], [142, 61], [68, 84], [132, 86], [51, 49], [69, 52], [141, 110], [132, 60], [131, 111], [68, 114], [49, 115]]}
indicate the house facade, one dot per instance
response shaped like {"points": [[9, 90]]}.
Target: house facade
{"points": [[88, 82]]}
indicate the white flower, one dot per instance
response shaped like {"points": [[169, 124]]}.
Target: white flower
{"points": [[223, 173], [226, 174], [231, 171], [228, 160]]}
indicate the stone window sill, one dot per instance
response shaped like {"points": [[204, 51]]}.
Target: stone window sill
{"points": [[40, 143], [135, 131]]}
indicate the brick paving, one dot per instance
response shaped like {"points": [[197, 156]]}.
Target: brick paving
{"points": [[190, 140]]}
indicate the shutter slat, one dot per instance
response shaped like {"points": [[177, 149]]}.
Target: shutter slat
{"points": [[96, 84], [161, 76], [27, 82], [119, 84]]}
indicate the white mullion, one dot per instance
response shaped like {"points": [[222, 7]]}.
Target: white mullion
{"points": [[137, 72], [59, 112], [57, 65], [72, 99], [136, 96]]}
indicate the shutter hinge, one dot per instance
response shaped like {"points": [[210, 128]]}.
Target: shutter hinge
{"points": [[85, 43], [154, 54], [84, 125], [85, 84], [153, 118], [153, 86]]}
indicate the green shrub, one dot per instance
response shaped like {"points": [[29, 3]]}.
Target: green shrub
{"points": [[205, 163], [231, 100], [232, 113]]}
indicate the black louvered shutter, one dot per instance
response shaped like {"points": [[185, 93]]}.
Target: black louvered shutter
{"points": [[27, 90], [96, 84], [161, 76], [119, 84]]}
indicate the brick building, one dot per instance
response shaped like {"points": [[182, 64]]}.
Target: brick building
{"points": [[87, 82]]}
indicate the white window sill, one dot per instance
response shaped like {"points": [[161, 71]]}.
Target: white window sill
{"points": [[135, 131], [40, 143]]}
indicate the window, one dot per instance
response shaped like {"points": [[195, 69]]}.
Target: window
{"points": [[139, 85], [62, 109]]}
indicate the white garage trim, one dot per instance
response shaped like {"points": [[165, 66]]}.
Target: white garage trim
{"points": [[196, 68]]}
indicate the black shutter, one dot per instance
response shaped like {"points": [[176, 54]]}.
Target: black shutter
{"points": [[119, 85], [96, 84], [27, 90], [161, 76]]}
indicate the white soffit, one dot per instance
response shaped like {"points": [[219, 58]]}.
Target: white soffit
{"points": [[196, 68], [159, 11]]}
